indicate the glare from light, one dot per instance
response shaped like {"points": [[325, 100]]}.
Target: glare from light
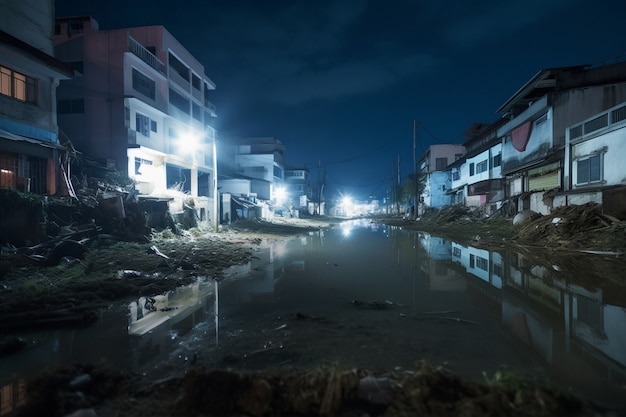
{"points": [[190, 141], [346, 228], [280, 195]]}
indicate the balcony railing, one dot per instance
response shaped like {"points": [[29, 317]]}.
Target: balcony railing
{"points": [[146, 56]]}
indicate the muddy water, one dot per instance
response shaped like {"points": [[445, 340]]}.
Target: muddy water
{"points": [[364, 295]]}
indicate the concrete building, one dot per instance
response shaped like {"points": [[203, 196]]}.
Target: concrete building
{"points": [[140, 106], [261, 161], [30, 150], [594, 162], [299, 191], [433, 165], [540, 113], [476, 179]]}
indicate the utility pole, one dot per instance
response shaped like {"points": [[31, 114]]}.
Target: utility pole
{"points": [[414, 171], [398, 187]]}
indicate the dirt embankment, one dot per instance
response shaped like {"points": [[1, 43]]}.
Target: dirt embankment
{"points": [[578, 227]]}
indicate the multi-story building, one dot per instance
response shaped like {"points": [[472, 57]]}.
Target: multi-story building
{"points": [[261, 160], [433, 165], [298, 186], [140, 106], [30, 150], [476, 179], [540, 113]]}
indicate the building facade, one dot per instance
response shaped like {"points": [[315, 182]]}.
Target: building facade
{"points": [[31, 153], [534, 138], [433, 166], [140, 106]]}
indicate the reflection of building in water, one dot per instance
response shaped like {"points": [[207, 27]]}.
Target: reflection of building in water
{"points": [[554, 318], [255, 280], [12, 396], [155, 321], [437, 265]]}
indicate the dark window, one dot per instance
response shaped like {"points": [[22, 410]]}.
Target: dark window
{"points": [[195, 82], [589, 170], [142, 124], [178, 101], [497, 160], [153, 125], [471, 169], [481, 166], [144, 85], [179, 67], [76, 105], [482, 263], [75, 26], [441, 164], [77, 66]]}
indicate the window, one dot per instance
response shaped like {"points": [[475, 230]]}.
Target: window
{"points": [[541, 120], [471, 167], [196, 111], [139, 162], [456, 252], [497, 160], [482, 166], [441, 164], [76, 66], [195, 82], [497, 269], [153, 125], [589, 169], [17, 85], [179, 67], [143, 84], [482, 263], [142, 124], [178, 101], [72, 106]]}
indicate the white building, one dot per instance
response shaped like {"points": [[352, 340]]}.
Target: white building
{"points": [[140, 106], [594, 155], [433, 165]]}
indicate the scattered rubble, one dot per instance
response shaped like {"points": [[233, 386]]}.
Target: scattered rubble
{"points": [[583, 227]]}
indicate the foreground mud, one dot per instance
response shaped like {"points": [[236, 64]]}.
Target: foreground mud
{"points": [[330, 391]]}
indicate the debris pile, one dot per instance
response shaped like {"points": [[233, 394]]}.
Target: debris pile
{"points": [[576, 226]]}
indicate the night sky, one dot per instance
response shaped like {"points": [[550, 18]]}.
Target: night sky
{"points": [[339, 83]]}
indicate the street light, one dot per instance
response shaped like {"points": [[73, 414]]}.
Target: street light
{"points": [[192, 141]]}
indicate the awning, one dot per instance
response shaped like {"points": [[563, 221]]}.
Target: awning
{"points": [[19, 138]]}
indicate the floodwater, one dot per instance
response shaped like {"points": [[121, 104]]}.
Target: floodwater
{"points": [[362, 295]]}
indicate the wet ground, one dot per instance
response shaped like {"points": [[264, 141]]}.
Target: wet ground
{"points": [[367, 296]]}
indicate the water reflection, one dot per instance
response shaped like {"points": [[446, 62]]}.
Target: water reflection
{"points": [[578, 329], [366, 295]]}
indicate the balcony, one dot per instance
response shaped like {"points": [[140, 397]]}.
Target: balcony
{"points": [[146, 56]]}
